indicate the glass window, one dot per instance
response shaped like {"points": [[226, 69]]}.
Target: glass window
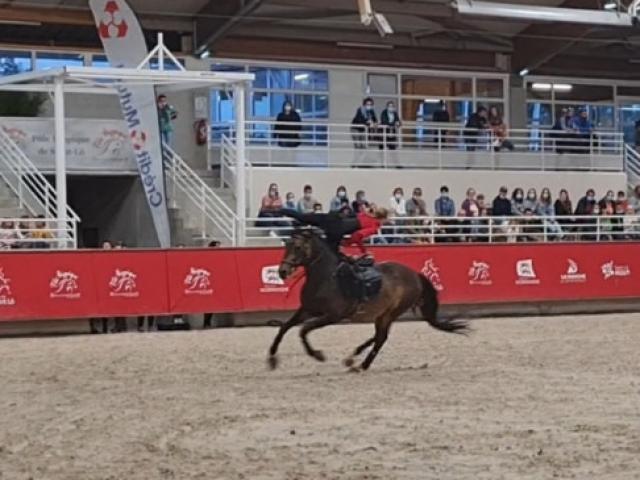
{"points": [[379, 84], [279, 79], [223, 67], [100, 61], [539, 114], [12, 63], [260, 105], [262, 76], [317, 80], [538, 91], [436, 87], [46, 60], [602, 116], [585, 93], [489, 88], [421, 111]]}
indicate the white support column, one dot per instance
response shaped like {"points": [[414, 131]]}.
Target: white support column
{"points": [[61, 160], [239, 92]]}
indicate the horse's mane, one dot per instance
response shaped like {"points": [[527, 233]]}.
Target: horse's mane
{"points": [[315, 235]]}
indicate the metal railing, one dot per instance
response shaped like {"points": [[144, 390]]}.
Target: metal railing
{"points": [[187, 186], [33, 233], [632, 165], [34, 192], [434, 146], [405, 230]]}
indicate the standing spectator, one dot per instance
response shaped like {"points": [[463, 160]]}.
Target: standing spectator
{"points": [[270, 208], [306, 203], [476, 125], [501, 206], [290, 201], [364, 124], [499, 130], [287, 128], [360, 203], [41, 234], [584, 128], [517, 202], [8, 235], [441, 115], [166, 115], [337, 202], [390, 122], [444, 205], [634, 201], [531, 202], [93, 322], [546, 209]]}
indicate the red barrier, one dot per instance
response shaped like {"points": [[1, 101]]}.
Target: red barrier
{"points": [[128, 283]]}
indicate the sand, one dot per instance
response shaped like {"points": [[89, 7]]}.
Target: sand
{"points": [[536, 398]]}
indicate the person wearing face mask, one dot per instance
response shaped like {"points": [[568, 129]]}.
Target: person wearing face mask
{"points": [[390, 122], [287, 127], [417, 207], [270, 207], [547, 211], [444, 207], [339, 200], [517, 202], [290, 201], [166, 116], [607, 203], [501, 206], [398, 209], [531, 202], [587, 205], [360, 203], [307, 202], [364, 124]]}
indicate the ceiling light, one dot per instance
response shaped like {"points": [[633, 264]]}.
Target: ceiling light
{"points": [[205, 54], [542, 87], [301, 77], [524, 72], [431, 100], [562, 87], [611, 5]]}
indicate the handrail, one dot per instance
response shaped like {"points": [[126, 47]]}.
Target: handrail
{"points": [[24, 233], [213, 210], [632, 165]]}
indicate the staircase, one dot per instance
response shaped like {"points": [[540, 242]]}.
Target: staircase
{"points": [[632, 166]]}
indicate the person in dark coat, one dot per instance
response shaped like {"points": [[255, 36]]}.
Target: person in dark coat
{"points": [[390, 122], [501, 206], [477, 123], [364, 123], [287, 128]]}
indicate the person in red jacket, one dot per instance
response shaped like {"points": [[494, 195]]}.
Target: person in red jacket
{"points": [[337, 225]]}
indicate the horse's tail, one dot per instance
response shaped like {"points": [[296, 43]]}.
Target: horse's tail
{"points": [[429, 308]]}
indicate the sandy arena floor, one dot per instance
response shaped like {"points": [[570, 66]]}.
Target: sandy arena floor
{"points": [[536, 399]]}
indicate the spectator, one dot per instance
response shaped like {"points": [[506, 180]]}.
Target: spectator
{"points": [[24, 232], [206, 323], [582, 125], [360, 203], [317, 208], [339, 200], [586, 204], [416, 206], [166, 115], [517, 202], [306, 203], [290, 201], [563, 208], [471, 209], [546, 210], [107, 245], [8, 235], [364, 124], [501, 206], [287, 128], [41, 234], [622, 202], [530, 230], [499, 130], [398, 204], [631, 225], [607, 203], [634, 201], [531, 202], [476, 125], [444, 205], [441, 115], [618, 222], [390, 122], [270, 208], [483, 211]]}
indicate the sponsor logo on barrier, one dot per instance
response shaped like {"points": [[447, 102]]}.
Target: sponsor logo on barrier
{"points": [[112, 25], [526, 273], [573, 274], [123, 284], [610, 270], [271, 281], [480, 274], [64, 285], [198, 282], [432, 272], [6, 297]]}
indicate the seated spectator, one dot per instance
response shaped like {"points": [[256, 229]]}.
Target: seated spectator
{"points": [[339, 200], [622, 201], [587, 206], [546, 210], [390, 122], [41, 234], [398, 209], [290, 201], [8, 235], [416, 207], [471, 210], [24, 231], [517, 202], [317, 208], [530, 230], [634, 201], [531, 202], [307, 202], [445, 207], [631, 225], [360, 203], [501, 206], [364, 124], [607, 202], [563, 206], [270, 208], [476, 125], [499, 130], [287, 128], [587, 203]]}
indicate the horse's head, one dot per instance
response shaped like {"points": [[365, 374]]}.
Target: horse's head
{"points": [[300, 250]]}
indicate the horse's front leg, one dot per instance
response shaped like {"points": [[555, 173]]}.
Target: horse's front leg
{"points": [[298, 317], [312, 325]]}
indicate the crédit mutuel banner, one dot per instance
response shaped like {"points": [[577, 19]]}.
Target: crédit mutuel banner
{"points": [[125, 46]]}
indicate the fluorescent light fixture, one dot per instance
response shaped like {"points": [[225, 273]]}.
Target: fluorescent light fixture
{"points": [[431, 100], [542, 87], [376, 46], [562, 87], [611, 5], [546, 14], [524, 72], [557, 87], [301, 77], [205, 54]]}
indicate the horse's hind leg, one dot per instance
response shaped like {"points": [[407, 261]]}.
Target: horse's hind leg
{"points": [[348, 362], [311, 326], [298, 317]]}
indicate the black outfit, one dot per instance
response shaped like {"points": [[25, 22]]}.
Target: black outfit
{"points": [[562, 208], [585, 207], [501, 207], [391, 129], [441, 116], [474, 126], [357, 205], [363, 122], [334, 225], [287, 129]]}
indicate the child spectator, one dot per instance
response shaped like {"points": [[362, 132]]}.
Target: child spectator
{"points": [[290, 201]]}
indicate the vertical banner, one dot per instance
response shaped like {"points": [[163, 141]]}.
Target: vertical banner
{"points": [[125, 46]]}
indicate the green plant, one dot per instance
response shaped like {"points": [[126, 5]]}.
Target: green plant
{"points": [[21, 104]]}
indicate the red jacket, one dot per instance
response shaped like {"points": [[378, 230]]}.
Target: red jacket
{"points": [[368, 226]]}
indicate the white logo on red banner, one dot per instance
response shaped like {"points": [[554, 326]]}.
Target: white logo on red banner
{"points": [[198, 282], [610, 270], [432, 272], [64, 285], [123, 284], [112, 25], [480, 273], [573, 274], [271, 281], [526, 273], [6, 297]]}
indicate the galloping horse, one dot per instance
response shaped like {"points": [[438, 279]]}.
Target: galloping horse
{"points": [[322, 302]]}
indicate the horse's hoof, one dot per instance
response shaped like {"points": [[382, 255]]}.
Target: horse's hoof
{"points": [[318, 355], [348, 362], [355, 370], [273, 362]]}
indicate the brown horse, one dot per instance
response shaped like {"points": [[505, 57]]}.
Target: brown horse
{"points": [[322, 302]]}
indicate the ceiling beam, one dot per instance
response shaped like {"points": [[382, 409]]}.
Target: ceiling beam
{"points": [[429, 8]]}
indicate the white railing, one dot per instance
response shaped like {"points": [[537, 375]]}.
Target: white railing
{"points": [[34, 192], [187, 186], [632, 165], [33, 233], [434, 146], [271, 231]]}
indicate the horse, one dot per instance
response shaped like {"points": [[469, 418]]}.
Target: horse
{"points": [[322, 303]]}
